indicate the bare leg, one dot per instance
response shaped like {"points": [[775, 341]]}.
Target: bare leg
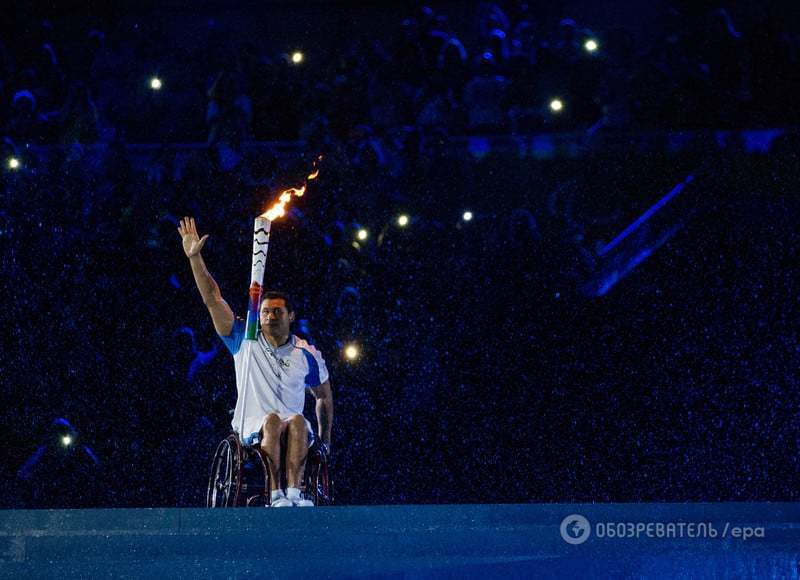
{"points": [[271, 433], [297, 449]]}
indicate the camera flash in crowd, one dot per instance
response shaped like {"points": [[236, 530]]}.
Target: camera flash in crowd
{"points": [[297, 57], [467, 216], [13, 163], [362, 234], [351, 352], [66, 440], [591, 45], [556, 105], [402, 220], [155, 83]]}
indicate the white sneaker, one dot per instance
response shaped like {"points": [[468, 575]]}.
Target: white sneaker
{"points": [[281, 501], [302, 502], [299, 501]]}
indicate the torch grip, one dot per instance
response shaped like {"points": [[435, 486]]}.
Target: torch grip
{"points": [[252, 311]]}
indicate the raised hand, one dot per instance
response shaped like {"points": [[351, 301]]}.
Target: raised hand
{"points": [[192, 243]]}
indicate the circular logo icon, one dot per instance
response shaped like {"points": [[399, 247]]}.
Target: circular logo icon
{"points": [[575, 529]]}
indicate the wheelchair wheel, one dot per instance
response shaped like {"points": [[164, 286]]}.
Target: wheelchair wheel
{"points": [[254, 474], [318, 482], [239, 476], [225, 481]]}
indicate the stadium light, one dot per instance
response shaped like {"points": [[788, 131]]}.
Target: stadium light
{"points": [[362, 234], [467, 216], [297, 57], [155, 84], [591, 45], [402, 220], [351, 352], [556, 105], [13, 163]]}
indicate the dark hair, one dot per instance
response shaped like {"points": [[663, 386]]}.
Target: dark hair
{"points": [[275, 295]]}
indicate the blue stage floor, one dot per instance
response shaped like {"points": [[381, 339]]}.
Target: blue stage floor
{"points": [[410, 541]]}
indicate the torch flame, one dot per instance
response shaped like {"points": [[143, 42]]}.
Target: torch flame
{"points": [[279, 208]]}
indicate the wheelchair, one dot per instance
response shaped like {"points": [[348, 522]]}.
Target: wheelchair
{"points": [[240, 475]]}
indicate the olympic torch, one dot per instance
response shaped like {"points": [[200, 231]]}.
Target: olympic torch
{"points": [[261, 231]]}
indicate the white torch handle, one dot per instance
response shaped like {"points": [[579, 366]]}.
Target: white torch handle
{"points": [[261, 231]]}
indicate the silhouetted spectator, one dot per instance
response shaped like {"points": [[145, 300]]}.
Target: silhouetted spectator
{"points": [[79, 117], [25, 121], [229, 111], [485, 97]]}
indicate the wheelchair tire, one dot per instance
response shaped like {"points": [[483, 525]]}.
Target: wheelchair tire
{"points": [[224, 483], [318, 482]]}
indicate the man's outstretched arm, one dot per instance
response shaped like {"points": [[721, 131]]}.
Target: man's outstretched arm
{"points": [[324, 398], [221, 313]]}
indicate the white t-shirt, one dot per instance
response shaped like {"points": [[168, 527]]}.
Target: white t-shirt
{"points": [[277, 378]]}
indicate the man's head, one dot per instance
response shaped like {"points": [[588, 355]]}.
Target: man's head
{"points": [[276, 314]]}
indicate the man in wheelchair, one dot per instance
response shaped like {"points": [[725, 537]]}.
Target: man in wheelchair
{"points": [[281, 367]]}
